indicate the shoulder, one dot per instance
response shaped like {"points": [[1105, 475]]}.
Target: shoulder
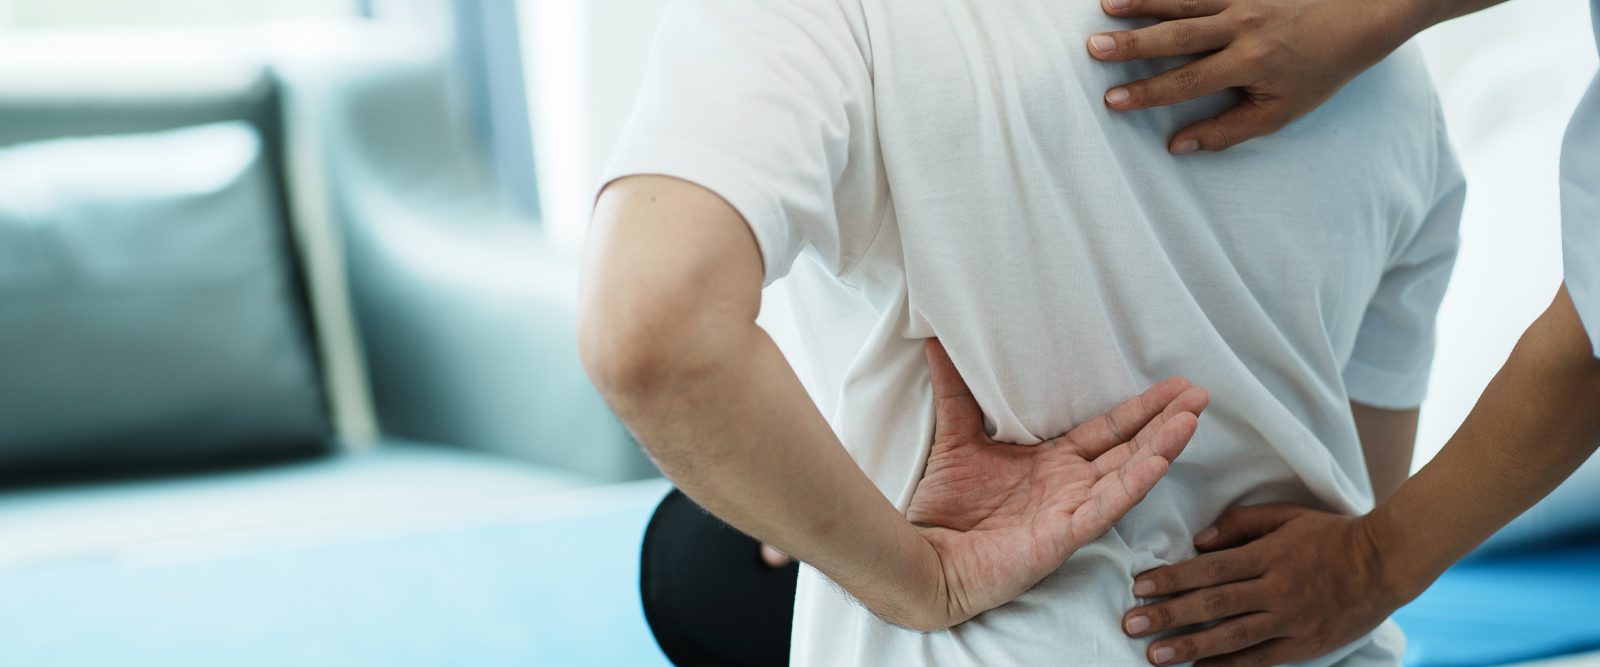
{"points": [[834, 28]]}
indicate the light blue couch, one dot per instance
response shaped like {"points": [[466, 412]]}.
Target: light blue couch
{"points": [[452, 489]]}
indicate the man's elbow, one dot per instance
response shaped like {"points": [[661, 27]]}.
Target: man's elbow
{"points": [[637, 355], [672, 279], [621, 360]]}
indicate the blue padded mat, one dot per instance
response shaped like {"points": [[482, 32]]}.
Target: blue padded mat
{"points": [[553, 592], [1511, 608]]}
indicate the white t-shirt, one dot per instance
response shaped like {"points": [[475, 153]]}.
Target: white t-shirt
{"points": [[948, 168], [1580, 202]]}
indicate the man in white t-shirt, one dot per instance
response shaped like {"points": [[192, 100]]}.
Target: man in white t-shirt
{"points": [[925, 169]]}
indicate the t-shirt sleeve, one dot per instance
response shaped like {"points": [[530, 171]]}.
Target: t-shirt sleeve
{"points": [[766, 103], [1393, 355]]}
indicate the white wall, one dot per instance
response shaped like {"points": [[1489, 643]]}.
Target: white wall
{"points": [[586, 59]]}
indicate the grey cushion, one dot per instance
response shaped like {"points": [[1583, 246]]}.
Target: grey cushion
{"points": [[146, 309]]}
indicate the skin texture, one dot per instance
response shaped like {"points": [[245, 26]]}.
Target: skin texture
{"points": [[1291, 583], [668, 301], [773, 557], [1388, 440], [1286, 56]]}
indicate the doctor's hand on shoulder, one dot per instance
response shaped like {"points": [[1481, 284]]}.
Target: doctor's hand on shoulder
{"points": [[1287, 57]]}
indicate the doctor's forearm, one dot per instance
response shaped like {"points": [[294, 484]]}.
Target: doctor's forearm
{"points": [[1432, 12], [1535, 424]]}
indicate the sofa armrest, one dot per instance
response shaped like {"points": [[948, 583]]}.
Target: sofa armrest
{"points": [[466, 320], [470, 338]]}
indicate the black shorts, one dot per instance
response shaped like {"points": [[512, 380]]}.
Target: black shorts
{"points": [[709, 598]]}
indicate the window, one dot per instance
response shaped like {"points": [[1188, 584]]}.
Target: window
{"points": [[106, 13], [485, 46]]}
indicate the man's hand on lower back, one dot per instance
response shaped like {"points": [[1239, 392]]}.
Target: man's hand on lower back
{"points": [[1002, 517], [1283, 583]]}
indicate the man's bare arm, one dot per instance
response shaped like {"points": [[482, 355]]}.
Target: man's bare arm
{"points": [[1388, 440], [670, 294]]}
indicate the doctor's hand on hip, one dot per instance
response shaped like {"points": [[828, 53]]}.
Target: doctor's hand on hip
{"points": [[1286, 56], [1288, 583], [1284, 584]]}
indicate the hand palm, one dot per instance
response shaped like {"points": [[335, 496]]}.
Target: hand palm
{"points": [[1004, 516]]}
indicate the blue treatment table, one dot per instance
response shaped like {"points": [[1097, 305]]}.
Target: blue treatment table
{"points": [[1510, 608]]}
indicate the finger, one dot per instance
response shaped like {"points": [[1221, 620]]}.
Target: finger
{"points": [[1163, 9], [773, 557], [1203, 571], [1192, 401], [1228, 637], [1180, 84], [1244, 121], [956, 412], [1206, 605], [1272, 652], [1113, 495], [1163, 40], [1239, 525], [1119, 425]]}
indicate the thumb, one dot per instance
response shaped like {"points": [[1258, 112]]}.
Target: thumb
{"points": [[956, 412], [1244, 121], [773, 557], [1239, 525]]}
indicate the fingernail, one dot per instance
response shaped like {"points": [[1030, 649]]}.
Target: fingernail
{"points": [[1162, 655], [1144, 587], [773, 557], [1118, 95], [1138, 624], [1103, 43], [1209, 534], [1118, 4], [1184, 147]]}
